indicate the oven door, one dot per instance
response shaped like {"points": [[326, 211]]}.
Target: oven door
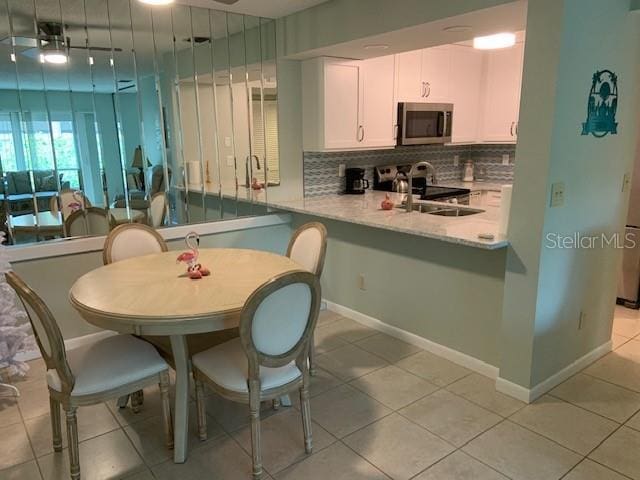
{"points": [[425, 123]]}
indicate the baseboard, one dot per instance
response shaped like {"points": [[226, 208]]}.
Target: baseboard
{"points": [[70, 344], [450, 354], [529, 395]]}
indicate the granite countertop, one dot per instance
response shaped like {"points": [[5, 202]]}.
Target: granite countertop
{"points": [[365, 210], [475, 186]]}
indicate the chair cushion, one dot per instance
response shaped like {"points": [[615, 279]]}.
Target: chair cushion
{"points": [[227, 366], [109, 363]]}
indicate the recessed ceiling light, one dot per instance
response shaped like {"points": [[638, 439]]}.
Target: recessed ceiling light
{"points": [[499, 40], [457, 28], [157, 2], [55, 57], [376, 46]]}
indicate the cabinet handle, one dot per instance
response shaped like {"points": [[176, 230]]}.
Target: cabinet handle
{"points": [[511, 129], [360, 133], [395, 131], [423, 90], [427, 89], [517, 125]]}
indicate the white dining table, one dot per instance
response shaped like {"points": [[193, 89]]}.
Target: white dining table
{"points": [[150, 295]]}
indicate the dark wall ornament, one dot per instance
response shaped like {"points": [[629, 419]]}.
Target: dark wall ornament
{"points": [[602, 105]]}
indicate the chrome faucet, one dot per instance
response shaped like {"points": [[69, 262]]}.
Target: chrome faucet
{"points": [[248, 169], [419, 170]]}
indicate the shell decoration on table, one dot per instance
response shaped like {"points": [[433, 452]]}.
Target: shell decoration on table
{"points": [[195, 271]]}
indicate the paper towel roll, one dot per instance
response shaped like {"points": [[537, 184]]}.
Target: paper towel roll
{"points": [[505, 207], [194, 175]]}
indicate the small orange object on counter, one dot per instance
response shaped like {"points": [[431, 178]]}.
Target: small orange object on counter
{"points": [[387, 203]]}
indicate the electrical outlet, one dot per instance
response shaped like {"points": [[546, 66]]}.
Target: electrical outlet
{"points": [[557, 194], [361, 283], [626, 180], [341, 169], [505, 159], [582, 320], [456, 160], [229, 160]]}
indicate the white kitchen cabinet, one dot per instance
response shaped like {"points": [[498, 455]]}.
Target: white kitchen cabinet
{"points": [[423, 75], [466, 92], [347, 104], [502, 94], [409, 86]]}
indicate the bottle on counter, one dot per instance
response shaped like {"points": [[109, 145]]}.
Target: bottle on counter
{"points": [[468, 172]]}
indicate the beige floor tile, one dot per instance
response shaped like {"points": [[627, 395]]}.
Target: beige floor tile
{"points": [[34, 399], [570, 426], [588, 470], [36, 373], [9, 412], [618, 340], [283, 440], [393, 386], [626, 322], [350, 362], [144, 475], [621, 367], [92, 421], [327, 317], [398, 447], [323, 381], [620, 452], [148, 437], [108, 456], [334, 463], [460, 466], [634, 422], [24, 471], [597, 396], [222, 459], [348, 330], [521, 454], [482, 390], [233, 416], [387, 347], [450, 417], [327, 340], [14, 446], [344, 410], [433, 368]]}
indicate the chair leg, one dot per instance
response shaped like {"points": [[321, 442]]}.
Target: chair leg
{"points": [[276, 403], [306, 414], [137, 399], [56, 427], [72, 437], [201, 410], [256, 444], [122, 401], [166, 408], [312, 357]]}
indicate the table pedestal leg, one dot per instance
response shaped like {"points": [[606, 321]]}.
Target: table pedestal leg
{"points": [[181, 410]]}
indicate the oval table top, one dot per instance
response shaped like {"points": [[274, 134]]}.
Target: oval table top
{"points": [[151, 295]]}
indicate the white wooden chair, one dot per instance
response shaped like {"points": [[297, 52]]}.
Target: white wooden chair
{"points": [[132, 240], [107, 369], [308, 247], [90, 221], [269, 359], [158, 209]]}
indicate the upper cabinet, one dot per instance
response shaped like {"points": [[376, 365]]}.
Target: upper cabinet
{"points": [[501, 94], [347, 104], [423, 75], [466, 93]]}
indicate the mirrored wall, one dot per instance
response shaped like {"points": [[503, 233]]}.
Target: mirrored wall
{"points": [[113, 111]]}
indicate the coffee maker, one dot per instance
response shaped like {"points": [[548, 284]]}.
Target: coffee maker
{"points": [[355, 181]]}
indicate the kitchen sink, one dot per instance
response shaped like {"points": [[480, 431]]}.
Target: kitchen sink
{"points": [[444, 209]]}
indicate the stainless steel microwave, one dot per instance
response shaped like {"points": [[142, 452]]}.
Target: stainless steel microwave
{"points": [[424, 123]]}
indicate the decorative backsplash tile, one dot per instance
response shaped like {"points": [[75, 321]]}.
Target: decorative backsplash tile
{"points": [[321, 168]]}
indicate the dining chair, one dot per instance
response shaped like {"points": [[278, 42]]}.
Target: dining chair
{"points": [[269, 359], [90, 375], [132, 240], [158, 209], [90, 221], [70, 201], [308, 247]]}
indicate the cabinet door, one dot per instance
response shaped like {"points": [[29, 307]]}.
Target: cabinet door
{"points": [[465, 92], [341, 104], [502, 94], [377, 102], [436, 71], [409, 77]]}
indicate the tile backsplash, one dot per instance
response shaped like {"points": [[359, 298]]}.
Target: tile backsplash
{"points": [[321, 168]]}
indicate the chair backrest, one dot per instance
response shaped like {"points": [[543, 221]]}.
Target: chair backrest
{"points": [[91, 221], [131, 240], [158, 209], [308, 246], [68, 198], [46, 331], [278, 319]]}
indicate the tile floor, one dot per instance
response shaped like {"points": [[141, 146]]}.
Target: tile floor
{"points": [[381, 409]]}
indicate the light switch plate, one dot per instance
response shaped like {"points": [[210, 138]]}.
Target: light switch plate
{"points": [[456, 160], [557, 194], [229, 160], [227, 141], [505, 159], [626, 180]]}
